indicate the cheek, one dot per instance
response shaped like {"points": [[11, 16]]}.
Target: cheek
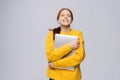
{"points": [[60, 19], [70, 18]]}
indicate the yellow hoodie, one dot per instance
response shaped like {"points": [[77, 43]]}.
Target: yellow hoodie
{"points": [[55, 56]]}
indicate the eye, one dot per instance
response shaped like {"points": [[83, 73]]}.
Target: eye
{"points": [[69, 15], [62, 15]]}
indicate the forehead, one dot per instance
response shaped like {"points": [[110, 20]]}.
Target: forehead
{"points": [[65, 12]]}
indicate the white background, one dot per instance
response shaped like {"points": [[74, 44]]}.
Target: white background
{"points": [[24, 26]]}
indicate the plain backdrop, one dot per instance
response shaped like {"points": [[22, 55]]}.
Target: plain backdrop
{"points": [[24, 26]]}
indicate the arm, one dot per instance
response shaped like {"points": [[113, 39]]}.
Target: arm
{"points": [[55, 54], [75, 59]]}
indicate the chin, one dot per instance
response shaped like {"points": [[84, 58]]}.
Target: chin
{"points": [[66, 25]]}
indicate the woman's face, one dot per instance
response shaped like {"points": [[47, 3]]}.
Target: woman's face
{"points": [[65, 18]]}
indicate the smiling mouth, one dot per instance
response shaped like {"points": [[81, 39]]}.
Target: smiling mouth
{"points": [[65, 20]]}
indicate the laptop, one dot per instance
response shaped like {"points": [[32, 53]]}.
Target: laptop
{"points": [[62, 39]]}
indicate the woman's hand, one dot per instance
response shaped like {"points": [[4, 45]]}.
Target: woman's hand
{"points": [[75, 44], [51, 65]]}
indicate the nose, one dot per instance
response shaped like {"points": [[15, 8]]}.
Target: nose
{"points": [[66, 17]]}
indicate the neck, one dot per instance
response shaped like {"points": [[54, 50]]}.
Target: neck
{"points": [[65, 28]]}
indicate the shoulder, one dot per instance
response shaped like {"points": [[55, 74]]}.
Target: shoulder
{"points": [[77, 31], [50, 31], [79, 34]]}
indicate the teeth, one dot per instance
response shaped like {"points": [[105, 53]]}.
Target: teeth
{"points": [[65, 20]]}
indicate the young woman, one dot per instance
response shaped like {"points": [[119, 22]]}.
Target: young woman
{"points": [[55, 56]]}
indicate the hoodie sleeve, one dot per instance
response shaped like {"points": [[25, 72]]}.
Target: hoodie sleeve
{"points": [[52, 53], [75, 59]]}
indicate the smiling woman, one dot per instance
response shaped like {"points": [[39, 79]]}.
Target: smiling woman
{"points": [[56, 56]]}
